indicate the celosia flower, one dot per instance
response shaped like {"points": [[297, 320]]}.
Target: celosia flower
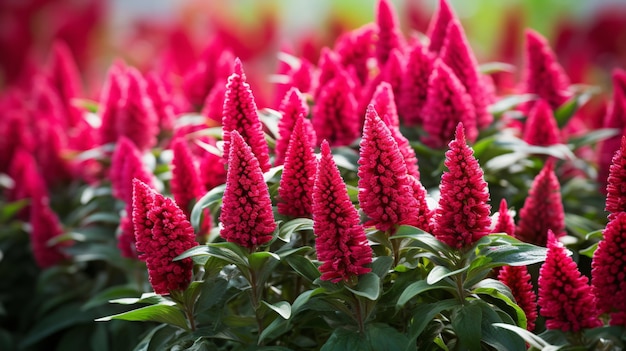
{"points": [[615, 118], [212, 171], [240, 114], [113, 94], [519, 281], [543, 75], [384, 104], [385, 192], [329, 67], [423, 219], [291, 108], [414, 85], [340, 239], [458, 55], [14, 135], [162, 102], [246, 216], [541, 128], [126, 237], [137, 119], [50, 143], [439, 25], [214, 104], [162, 232], [356, 48], [296, 184], [447, 104], [45, 225], [126, 165], [542, 209], [615, 190], [389, 35], [186, 185], [565, 299], [462, 216], [214, 65], [608, 274], [64, 78], [504, 223], [394, 74], [335, 115]]}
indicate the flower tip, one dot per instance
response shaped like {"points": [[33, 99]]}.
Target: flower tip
{"points": [[238, 67], [371, 112], [459, 134], [384, 13], [325, 148]]}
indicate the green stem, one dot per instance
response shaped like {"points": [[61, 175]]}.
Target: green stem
{"points": [[255, 299], [395, 244], [358, 313]]}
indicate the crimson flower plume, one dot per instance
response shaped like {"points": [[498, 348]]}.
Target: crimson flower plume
{"points": [[519, 281], [389, 35], [414, 85], [541, 128], [292, 106]]}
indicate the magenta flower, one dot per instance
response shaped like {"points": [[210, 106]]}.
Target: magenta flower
{"points": [[339, 237], [519, 281], [447, 104], [213, 67], [356, 48], [126, 165], [458, 55], [385, 192], [439, 26], [423, 219], [565, 299], [505, 223], [246, 216], [113, 94], [162, 232], [615, 189], [296, 184], [462, 216], [212, 171], [186, 185], [162, 101], [329, 67], [45, 225], [543, 75], [241, 115], [542, 210], [615, 118], [291, 108], [608, 274], [126, 237], [414, 85], [64, 77], [394, 74], [541, 128], [389, 35]]}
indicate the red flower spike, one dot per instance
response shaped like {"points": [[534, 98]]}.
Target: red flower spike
{"points": [[565, 299], [608, 274], [162, 101], [302, 77], [113, 94], [292, 106], [138, 121], [384, 102], [214, 104], [247, 216], [447, 104], [389, 35], [335, 115], [296, 184], [45, 225], [212, 171], [541, 128], [438, 26], [170, 235], [615, 118], [385, 192], [543, 75], [240, 114], [126, 165], [423, 219], [64, 76], [126, 238], [340, 239], [186, 185], [143, 201], [329, 66], [393, 72], [458, 55], [615, 190], [462, 216], [519, 281], [505, 223], [414, 85], [214, 65], [356, 48], [542, 210]]}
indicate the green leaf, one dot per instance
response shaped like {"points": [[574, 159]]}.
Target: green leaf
{"points": [[304, 267], [283, 308], [421, 239], [295, 225], [210, 199], [592, 137], [101, 217], [440, 272], [64, 317], [343, 339], [9, 210], [381, 265], [346, 158], [415, 289], [424, 313], [466, 322], [496, 337], [495, 67], [115, 292], [509, 102], [565, 112], [148, 298], [500, 291], [589, 251], [596, 234], [384, 337], [367, 287], [532, 339], [280, 326], [154, 313], [503, 249], [226, 251], [273, 174]]}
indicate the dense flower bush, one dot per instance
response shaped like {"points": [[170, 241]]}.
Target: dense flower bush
{"points": [[371, 207]]}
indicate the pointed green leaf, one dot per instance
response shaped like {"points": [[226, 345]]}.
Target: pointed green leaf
{"points": [[500, 339], [210, 199], [466, 322], [367, 287], [439, 272], [381, 265], [415, 289], [153, 313], [295, 225], [509, 102], [424, 313], [283, 308], [304, 267]]}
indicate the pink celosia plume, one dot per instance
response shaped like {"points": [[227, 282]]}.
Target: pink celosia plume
{"points": [[292, 106], [414, 85], [439, 25], [186, 185], [162, 102], [126, 165], [616, 183], [45, 225], [389, 34], [504, 223], [519, 281], [114, 92], [356, 48], [541, 128], [64, 77], [615, 118]]}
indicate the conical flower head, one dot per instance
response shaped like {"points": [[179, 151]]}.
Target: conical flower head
{"points": [[394, 74], [170, 235], [389, 35], [329, 67], [126, 165], [616, 187], [447, 104], [385, 192], [240, 114], [424, 217], [214, 66], [542, 210], [541, 128], [608, 275], [293, 105], [162, 101], [458, 55], [186, 185], [565, 298], [335, 115], [247, 216], [137, 120], [615, 118], [504, 223], [356, 48], [340, 239], [414, 85], [543, 74], [439, 25], [113, 94], [143, 201], [45, 225], [296, 184], [462, 216], [519, 281], [64, 78]]}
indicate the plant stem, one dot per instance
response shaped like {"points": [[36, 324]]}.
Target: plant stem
{"points": [[395, 244], [256, 301], [358, 312], [190, 317]]}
